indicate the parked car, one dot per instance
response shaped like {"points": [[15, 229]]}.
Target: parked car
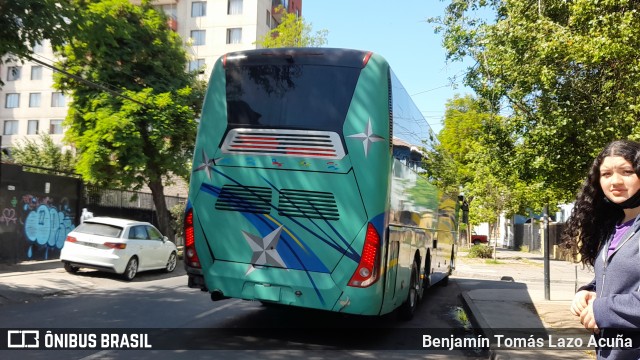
{"points": [[479, 239], [118, 245]]}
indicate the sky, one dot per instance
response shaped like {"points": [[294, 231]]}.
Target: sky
{"points": [[399, 31]]}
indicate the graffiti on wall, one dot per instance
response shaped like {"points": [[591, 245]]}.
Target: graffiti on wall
{"points": [[46, 225], [8, 216]]}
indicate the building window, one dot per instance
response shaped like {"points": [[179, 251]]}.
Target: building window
{"points": [[55, 127], [10, 127], [198, 8], [36, 73], [34, 100], [197, 65], [170, 10], [38, 48], [13, 73], [234, 36], [12, 101], [57, 99], [199, 37], [32, 127], [269, 19], [234, 7]]}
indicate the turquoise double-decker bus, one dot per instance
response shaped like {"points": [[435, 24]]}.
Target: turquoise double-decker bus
{"points": [[304, 189]]}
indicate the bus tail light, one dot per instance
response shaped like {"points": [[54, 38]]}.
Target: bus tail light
{"points": [[366, 58], [368, 269], [191, 256]]}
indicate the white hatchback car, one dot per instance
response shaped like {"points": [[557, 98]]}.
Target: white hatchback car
{"points": [[118, 245]]}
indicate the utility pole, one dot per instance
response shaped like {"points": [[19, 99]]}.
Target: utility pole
{"points": [[545, 222], [465, 217]]}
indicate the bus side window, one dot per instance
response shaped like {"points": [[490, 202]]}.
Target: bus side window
{"points": [[406, 218]]}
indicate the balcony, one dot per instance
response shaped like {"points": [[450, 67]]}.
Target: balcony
{"points": [[172, 23]]}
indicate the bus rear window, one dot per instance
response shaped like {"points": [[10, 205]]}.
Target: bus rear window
{"points": [[289, 96]]}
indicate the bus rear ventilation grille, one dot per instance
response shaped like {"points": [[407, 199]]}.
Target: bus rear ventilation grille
{"points": [[308, 204], [299, 143], [249, 199]]}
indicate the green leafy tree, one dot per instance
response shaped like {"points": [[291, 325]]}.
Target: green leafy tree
{"points": [[44, 153], [461, 134], [293, 31], [565, 72], [147, 133], [473, 152], [26, 23]]}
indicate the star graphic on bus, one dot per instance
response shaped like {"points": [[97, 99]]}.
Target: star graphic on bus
{"points": [[206, 164], [264, 249], [367, 137]]}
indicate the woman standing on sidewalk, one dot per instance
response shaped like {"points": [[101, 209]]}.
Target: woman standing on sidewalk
{"points": [[604, 229]]}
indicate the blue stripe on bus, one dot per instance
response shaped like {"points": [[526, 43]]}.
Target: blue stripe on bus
{"points": [[349, 251], [293, 259]]}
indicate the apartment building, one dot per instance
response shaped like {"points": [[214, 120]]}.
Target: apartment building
{"points": [[210, 28]]}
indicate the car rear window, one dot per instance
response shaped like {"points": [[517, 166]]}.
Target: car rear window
{"points": [[99, 229]]}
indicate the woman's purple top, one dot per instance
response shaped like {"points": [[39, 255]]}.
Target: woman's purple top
{"points": [[621, 229]]}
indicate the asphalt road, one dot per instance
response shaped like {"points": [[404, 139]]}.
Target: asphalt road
{"points": [[158, 302]]}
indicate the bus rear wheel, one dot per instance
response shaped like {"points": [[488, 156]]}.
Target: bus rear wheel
{"points": [[408, 308]]}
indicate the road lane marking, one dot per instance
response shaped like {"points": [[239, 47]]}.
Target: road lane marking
{"points": [[98, 355], [207, 313]]}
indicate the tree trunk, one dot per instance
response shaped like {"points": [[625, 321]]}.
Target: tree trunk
{"points": [[164, 218]]}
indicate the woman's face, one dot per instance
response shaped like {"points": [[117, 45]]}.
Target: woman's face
{"points": [[618, 179]]}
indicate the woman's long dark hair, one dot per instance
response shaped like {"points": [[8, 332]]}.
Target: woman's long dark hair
{"points": [[593, 219]]}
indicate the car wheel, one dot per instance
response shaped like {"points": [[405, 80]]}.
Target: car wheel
{"points": [[70, 268], [171, 263], [476, 242], [408, 308], [131, 270]]}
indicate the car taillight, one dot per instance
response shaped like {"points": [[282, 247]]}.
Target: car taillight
{"points": [[71, 239], [191, 256], [112, 245], [367, 271]]}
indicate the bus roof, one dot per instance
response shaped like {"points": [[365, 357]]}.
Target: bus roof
{"points": [[308, 56]]}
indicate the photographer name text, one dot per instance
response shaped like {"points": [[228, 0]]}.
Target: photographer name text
{"points": [[502, 341]]}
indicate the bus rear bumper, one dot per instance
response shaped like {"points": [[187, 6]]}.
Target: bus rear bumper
{"points": [[270, 284], [195, 279], [301, 288]]}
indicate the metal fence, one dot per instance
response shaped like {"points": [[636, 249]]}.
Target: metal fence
{"points": [[125, 198], [530, 235], [126, 204]]}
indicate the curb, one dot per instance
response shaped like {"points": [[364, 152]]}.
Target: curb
{"points": [[480, 325]]}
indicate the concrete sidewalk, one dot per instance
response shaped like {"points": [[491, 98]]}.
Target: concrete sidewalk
{"points": [[31, 280], [508, 296]]}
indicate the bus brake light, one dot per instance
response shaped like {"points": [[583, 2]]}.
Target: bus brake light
{"points": [[366, 58], [367, 271], [191, 256]]}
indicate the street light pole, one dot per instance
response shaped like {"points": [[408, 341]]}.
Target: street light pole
{"points": [[545, 214], [465, 219]]}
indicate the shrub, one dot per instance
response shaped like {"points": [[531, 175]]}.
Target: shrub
{"points": [[481, 251], [177, 222]]}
